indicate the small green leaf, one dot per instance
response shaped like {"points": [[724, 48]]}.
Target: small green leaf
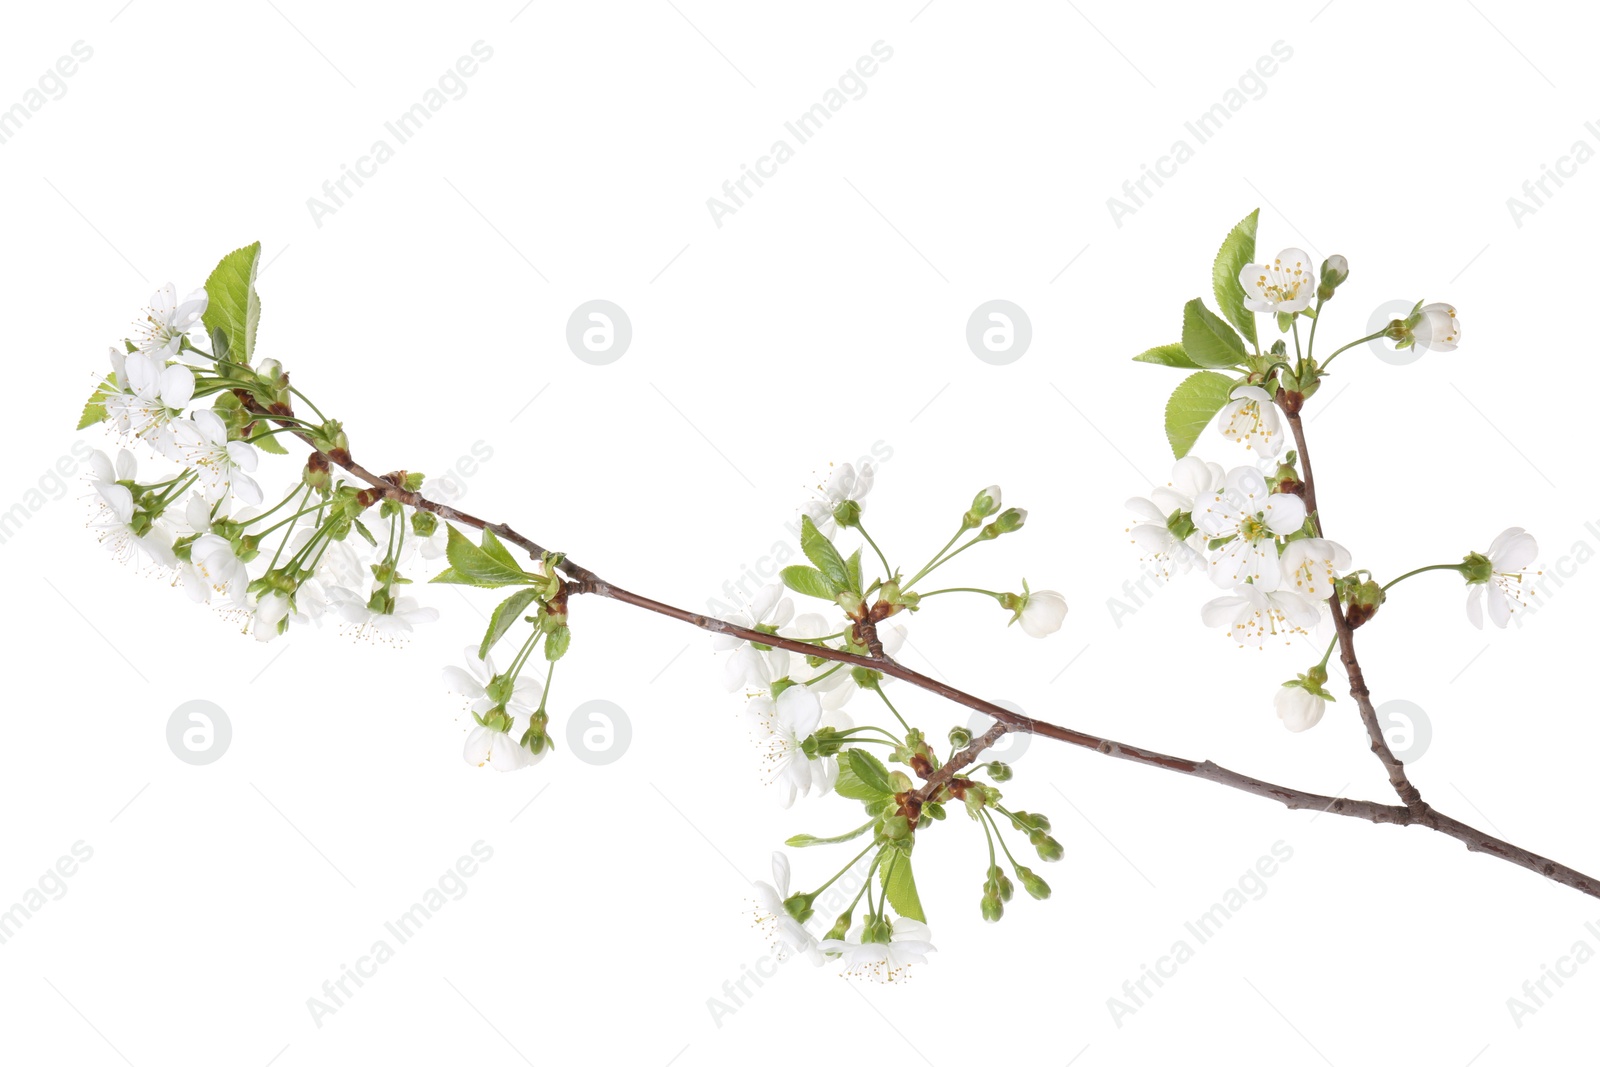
{"points": [[556, 645], [1193, 404], [870, 770], [853, 784], [807, 840], [484, 567], [233, 309], [95, 410], [807, 581], [1209, 341], [1237, 252], [1168, 356], [901, 887], [505, 616], [820, 551], [852, 567]]}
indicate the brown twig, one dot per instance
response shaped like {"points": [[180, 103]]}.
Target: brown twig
{"points": [[586, 581], [1408, 793]]}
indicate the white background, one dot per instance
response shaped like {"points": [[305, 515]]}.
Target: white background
{"points": [[826, 315]]}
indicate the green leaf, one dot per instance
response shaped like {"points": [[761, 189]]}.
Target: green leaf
{"points": [[1209, 341], [233, 308], [806, 840], [556, 645], [95, 410], [505, 616], [820, 551], [493, 547], [852, 567], [486, 567], [862, 776], [870, 770], [1238, 251], [1167, 356], [807, 581], [901, 887], [1191, 407]]}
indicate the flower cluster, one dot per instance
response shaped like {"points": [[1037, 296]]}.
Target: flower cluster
{"points": [[798, 671], [1249, 527]]}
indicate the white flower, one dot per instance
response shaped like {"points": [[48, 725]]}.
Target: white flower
{"points": [[1254, 518], [405, 617], [1285, 285], [220, 464], [1041, 613], [1311, 564], [750, 666], [1192, 478], [168, 320], [117, 513], [148, 399], [832, 690], [1251, 615], [1251, 419], [270, 610], [214, 568], [1438, 329], [1509, 557], [909, 943], [787, 934], [501, 749], [846, 483], [1300, 709], [786, 723]]}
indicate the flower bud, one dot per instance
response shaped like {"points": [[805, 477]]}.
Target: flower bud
{"points": [[1335, 269], [1000, 772], [424, 523], [1037, 887], [992, 907], [960, 736], [847, 514], [840, 928], [986, 503], [1363, 602], [1048, 848]]}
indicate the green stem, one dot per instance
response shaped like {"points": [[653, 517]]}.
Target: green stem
{"points": [[1311, 342], [1015, 866], [1457, 567], [935, 560], [888, 571], [962, 589], [879, 690], [1361, 341], [853, 861]]}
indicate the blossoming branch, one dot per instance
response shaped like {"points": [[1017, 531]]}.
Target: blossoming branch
{"points": [[341, 543]]}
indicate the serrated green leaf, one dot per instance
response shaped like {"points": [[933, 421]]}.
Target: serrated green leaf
{"points": [[485, 567], [361, 528], [95, 410], [852, 567], [1209, 341], [807, 840], [1193, 404], [869, 769], [807, 581], [557, 643], [233, 309], [505, 616], [900, 886], [850, 783], [820, 551], [1167, 356], [1238, 251]]}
